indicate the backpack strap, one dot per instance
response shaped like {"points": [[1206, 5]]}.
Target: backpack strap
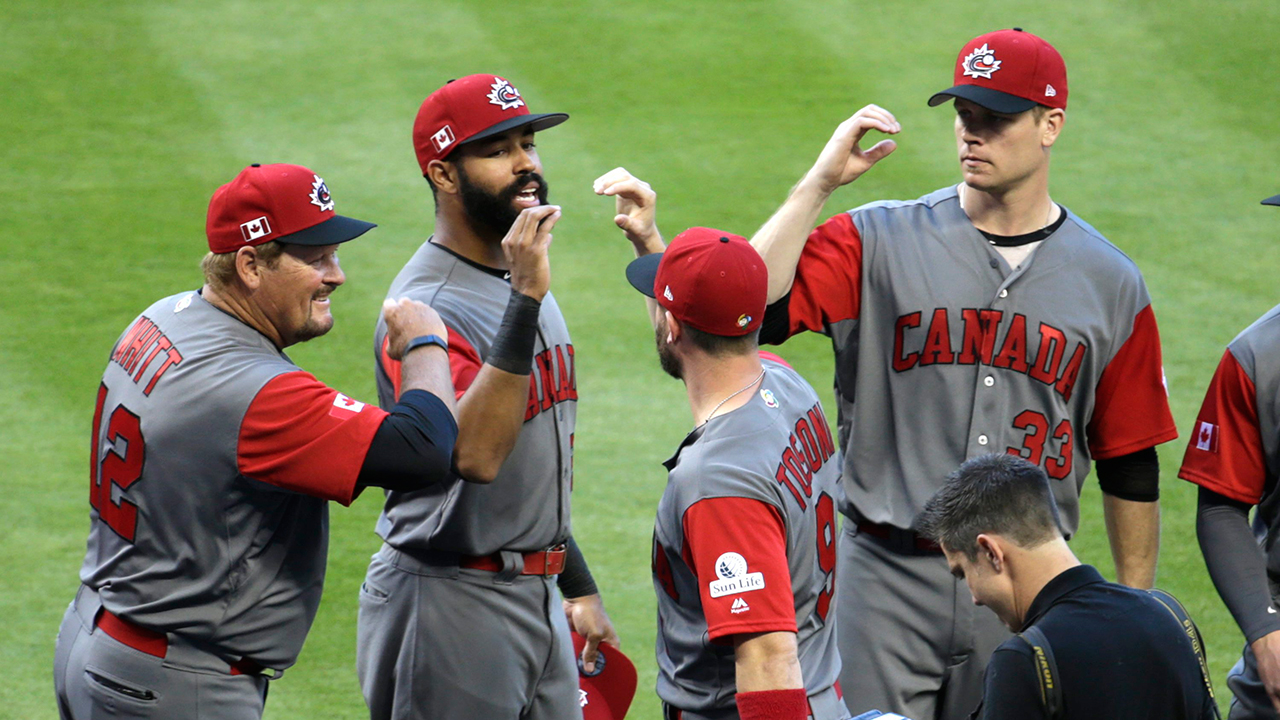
{"points": [[1046, 672], [1180, 614]]}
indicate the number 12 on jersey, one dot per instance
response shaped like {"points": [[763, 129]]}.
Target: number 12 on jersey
{"points": [[120, 467]]}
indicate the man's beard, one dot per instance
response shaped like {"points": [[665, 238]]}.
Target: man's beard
{"points": [[667, 358], [496, 212]]}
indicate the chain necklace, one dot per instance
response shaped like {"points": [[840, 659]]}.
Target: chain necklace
{"points": [[736, 393], [962, 193]]}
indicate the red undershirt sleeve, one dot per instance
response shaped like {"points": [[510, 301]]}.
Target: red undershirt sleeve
{"points": [[828, 282], [301, 435], [464, 363], [1131, 404], [737, 548], [1225, 451]]}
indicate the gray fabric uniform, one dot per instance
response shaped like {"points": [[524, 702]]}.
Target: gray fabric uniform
{"points": [[944, 352], [1234, 450], [180, 542], [777, 450], [437, 641]]}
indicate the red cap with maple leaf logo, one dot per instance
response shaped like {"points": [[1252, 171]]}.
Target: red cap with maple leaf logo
{"points": [[471, 108], [1008, 71], [289, 203]]}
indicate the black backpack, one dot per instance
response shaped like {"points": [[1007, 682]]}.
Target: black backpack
{"points": [[1047, 669]]}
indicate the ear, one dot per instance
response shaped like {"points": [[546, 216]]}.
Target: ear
{"points": [[1051, 125], [444, 175], [674, 328], [991, 550], [248, 268]]}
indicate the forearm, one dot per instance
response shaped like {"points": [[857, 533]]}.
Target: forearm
{"points": [[575, 580], [1134, 531], [649, 245], [781, 239], [1236, 564], [767, 661], [427, 368], [491, 411]]}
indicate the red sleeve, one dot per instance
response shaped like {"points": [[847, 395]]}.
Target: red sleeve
{"points": [[302, 435], [464, 363], [721, 533], [766, 355], [828, 283], [1131, 403], [1225, 451]]}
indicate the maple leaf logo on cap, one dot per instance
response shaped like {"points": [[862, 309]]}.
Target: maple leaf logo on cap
{"points": [[504, 95], [320, 194], [981, 62]]}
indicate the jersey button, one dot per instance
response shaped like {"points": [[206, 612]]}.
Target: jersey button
{"points": [[982, 439], [1004, 292], [988, 381]]}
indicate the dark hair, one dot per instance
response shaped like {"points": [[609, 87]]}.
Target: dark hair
{"points": [[997, 493], [723, 345]]}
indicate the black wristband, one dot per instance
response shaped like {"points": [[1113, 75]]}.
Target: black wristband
{"points": [[512, 349], [575, 580], [421, 340]]}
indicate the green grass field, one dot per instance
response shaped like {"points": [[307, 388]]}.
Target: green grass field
{"points": [[121, 118]]}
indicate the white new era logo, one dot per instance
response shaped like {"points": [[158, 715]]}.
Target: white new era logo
{"points": [[255, 229], [1049, 91], [443, 139], [739, 606], [667, 294], [1206, 437]]}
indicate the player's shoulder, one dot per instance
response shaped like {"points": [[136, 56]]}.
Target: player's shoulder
{"points": [[1261, 339], [1093, 252], [933, 202]]}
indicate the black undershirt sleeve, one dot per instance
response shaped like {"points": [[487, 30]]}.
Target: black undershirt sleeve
{"points": [[1011, 689], [1135, 476], [413, 447], [575, 580], [1236, 563], [776, 326]]}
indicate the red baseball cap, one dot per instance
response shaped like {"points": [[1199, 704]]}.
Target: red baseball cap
{"points": [[712, 280], [606, 693], [282, 202], [471, 108], [1008, 71]]}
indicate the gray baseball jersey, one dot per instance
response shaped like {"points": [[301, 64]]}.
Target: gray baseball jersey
{"points": [[745, 542], [944, 353], [527, 506], [213, 457], [414, 658]]}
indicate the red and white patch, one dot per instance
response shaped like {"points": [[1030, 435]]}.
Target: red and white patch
{"points": [[504, 95], [320, 196], [980, 63], [1207, 437], [344, 407], [443, 139], [255, 229]]}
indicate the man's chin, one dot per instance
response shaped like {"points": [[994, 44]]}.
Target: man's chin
{"points": [[315, 327]]}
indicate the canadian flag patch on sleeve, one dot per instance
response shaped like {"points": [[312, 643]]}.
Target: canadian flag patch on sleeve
{"points": [[344, 407], [1207, 437]]}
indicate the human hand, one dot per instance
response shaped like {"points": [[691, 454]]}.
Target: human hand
{"points": [[525, 248], [1266, 650], [588, 618], [636, 205], [407, 319], [843, 160]]}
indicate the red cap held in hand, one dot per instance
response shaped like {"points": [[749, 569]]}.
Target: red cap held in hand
{"points": [[607, 692], [471, 108], [711, 280], [282, 202], [1008, 71]]}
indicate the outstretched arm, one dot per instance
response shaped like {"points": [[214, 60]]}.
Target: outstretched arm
{"points": [[635, 209], [781, 239]]}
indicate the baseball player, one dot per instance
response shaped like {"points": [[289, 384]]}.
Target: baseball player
{"points": [[460, 614], [213, 456], [982, 317], [744, 541], [1234, 456]]}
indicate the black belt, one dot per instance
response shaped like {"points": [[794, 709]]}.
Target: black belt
{"points": [[899, 540]]}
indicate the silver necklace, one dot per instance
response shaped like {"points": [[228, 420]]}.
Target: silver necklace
{"points": [[961, 192], [736, 393]]}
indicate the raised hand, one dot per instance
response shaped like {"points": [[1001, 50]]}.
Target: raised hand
{"points": [[525, 247]]}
